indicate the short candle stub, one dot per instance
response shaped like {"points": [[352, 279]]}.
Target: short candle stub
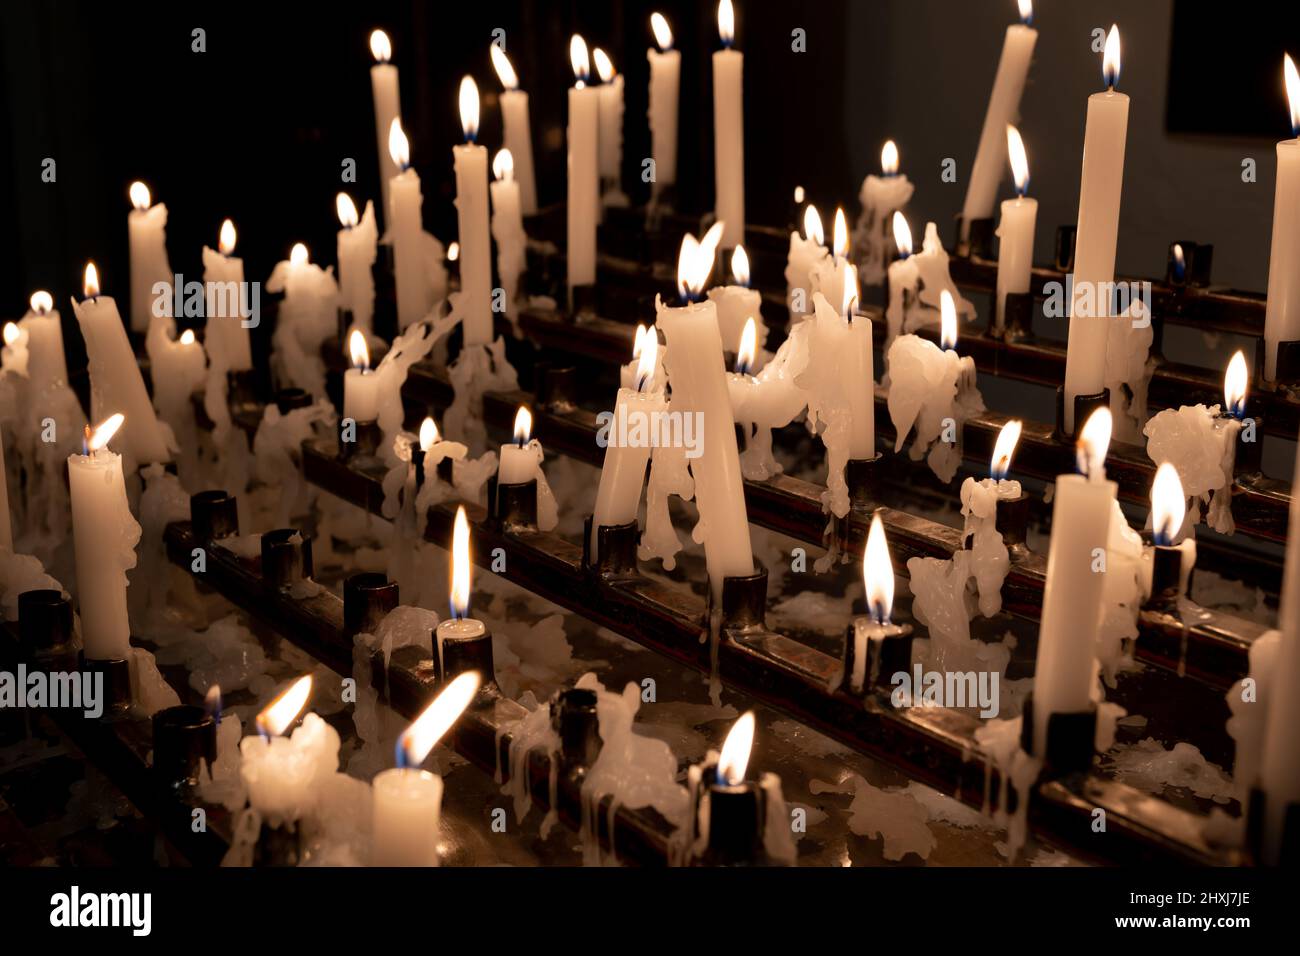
{"points": [[744, 600], [515, 505], [367, 599], [1288, 852], [367, 437], [44, 622], [1017, 316], [214, 515], [116, 675], [1071, 739], [1063, 256], [556, 387], [1084, 406], [1166, 576], [615, 548], [859, 476], [291, 399], [887, 654], [286, 557], [736, 818], [183, 738], [574, 719], [979, 242]]}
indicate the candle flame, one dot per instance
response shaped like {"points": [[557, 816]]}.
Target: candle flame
{"points": [[1019, 160], [90, 281], [523, 425], [1292, 79], [419, 739], [298, 255], [187, 337], [226, 238], [947, 320], [712, 239], [428, 433], [1026, 11], [460, 566], [812, 225], [734, 759], [889, 158], [503, 166], [726, 22], [139, 194], [358, 350], [578, 57], [281, 712], [102, 435], [1110, 58], [380, 46], [604, 65], [645, 369], [1180, 261], [346, 209], [694, 263], [399, 147], [878, 573], [11, 333], [1094, 442], [1004, 448], [1234, 385], [840, 245], [41, 302], [505, 70], [1168, 504], [212, 702], [740, 266], [663, 33], [639, 341], [453, 252], [798, 195], [902, 235], [469, 108], [849, 295], [748, 347]]}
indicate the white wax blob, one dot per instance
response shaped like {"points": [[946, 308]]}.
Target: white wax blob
{"points": [[1202, 445], [308, 316], [282, 774], [873, 234], [933, 390]]}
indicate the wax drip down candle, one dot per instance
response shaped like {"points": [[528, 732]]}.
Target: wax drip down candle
{"points": [[46, 361], [584, 168], [1282, 313], [807, 253], [15, 356], [729, 130], [665, 83], [903, 281], [388, 110], [147, 232], [471, 162], [308, 315], [225, 336], [1172, 554], [827, 275], [407, 805], [418, 272], [357, 247], [610, 134], [517, 128], [874, 236], [521, 462], [738, 304], [987, 506], [1015, 231], [508, 230]]}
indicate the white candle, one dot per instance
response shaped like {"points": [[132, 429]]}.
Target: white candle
{"points": [[406, 227], [699, 388], [460, 624], [508, 227], [521, 462], [360, 383], [104, 536], [46, 363], [807, 253], [14, 356], [115, 381], [518, 134], [1072, 599], [1016, 231], [665, 83], [738, 304], [1098, 228], [388, 110], [6, 522], [1282, 315], [881, 198], [471, 162], [147, 234], [878, 581], [860, 382], [990, 559], [283, 774], [1004, 104], [357, 246], [223, 279], [904, 277], [584, 165], [407, 804], [729, 131], [177, 366], [610, 134]]}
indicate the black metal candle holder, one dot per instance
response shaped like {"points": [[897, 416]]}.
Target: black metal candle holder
{"points": [[214, 515], [860, 476], [556, 386], [278, 846], [615, 548], [291, 399], [1071, 739], [978, 243], [286, 558], [1017, 317], [737, 816], [242, 389], [886, 656], [1166, 576], [45, 624], [116, 675], [1084, 406], [583, 301], [1248, 459], [1063, 252], [1288, 853], [183, 738], [574, 720], [366, 439], [513, 506], [462, 655], [367, 599], [1287, 374], [744, 600]]}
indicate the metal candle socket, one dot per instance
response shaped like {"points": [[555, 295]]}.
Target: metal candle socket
{"points": [[1011, 518], [736, 818], [286, 558], [556, 387], [367, 599], [513, 507], [183, 737], [214, 515], [886, 656], [45, 623], [615, 548], [1084, 406], [1194, 270], [979, 243], [367, 437], [1289, 852], [1063, 256], [1018, 316], [462, 655], [291, 399], [574, 719], [744, 600], [1071, 739], [116, 675], [1166, 576]]}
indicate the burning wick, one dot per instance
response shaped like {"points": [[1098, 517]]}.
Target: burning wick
{"points": [[284, 710], [1003, 449], [645, 370], [1168, 505], [212, 703], [101, 436], [523, 426]]}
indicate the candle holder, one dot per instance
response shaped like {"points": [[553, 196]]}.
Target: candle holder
{"points": [[289, 399], [1071, 739], [1288, 365], [887, 654], [513, 507], [45, 624], [736, 817], [1166, 576], [1011, 519], [1288, 853], [979, 242], [461, 655], [443, 469], [214, 515], [286, 558], [367, 599], [583, 302], [116, 675], [1063, 255], [744, 600], [242, 389], [368, 436], [183, 737], [1084, 406], [1247, 460], [859, 475], [556, 387], [1017, 317], [1194, 271], [575, 722], [615, 548]]}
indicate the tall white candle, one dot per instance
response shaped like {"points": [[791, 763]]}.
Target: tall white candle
{"points": [[357, 246], [665, 84], [518, 134], [1016, 231], [610, 134], [104, 536], [1072, 606], [147, 231], [584, 165], [388, 109], [115, 381], [406, 227], [6, 522], [1004, 104], [1098, 229], [508, 227], [46, 363], [729, 131], [471, 162], [226, 336], [1282, 315]]}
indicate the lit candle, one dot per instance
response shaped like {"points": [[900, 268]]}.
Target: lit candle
{"points": [[881, 198], [738, 304], [226, 336], [471, 162], [1282, 315], [283, 775], [508, 226], [610, 135], [177, 366], [806, 253], [1094, 251], [115, 380], [104, 536], [827, 274], [432, 450], [518, 132], [1066, 668], [990, 559], [460, 626], [407, 804], [360, 384], [878, 579], [388, 110], [903, 281], [521, 462], [699, 388], [729, 130], [665, 82], [308, 315], [405, 225], [14, 357], [584, 166], [859, 373], [1016, 231], [1168, 512], [147, 234], [44, 327], [357, 245], [1004, 104]]}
